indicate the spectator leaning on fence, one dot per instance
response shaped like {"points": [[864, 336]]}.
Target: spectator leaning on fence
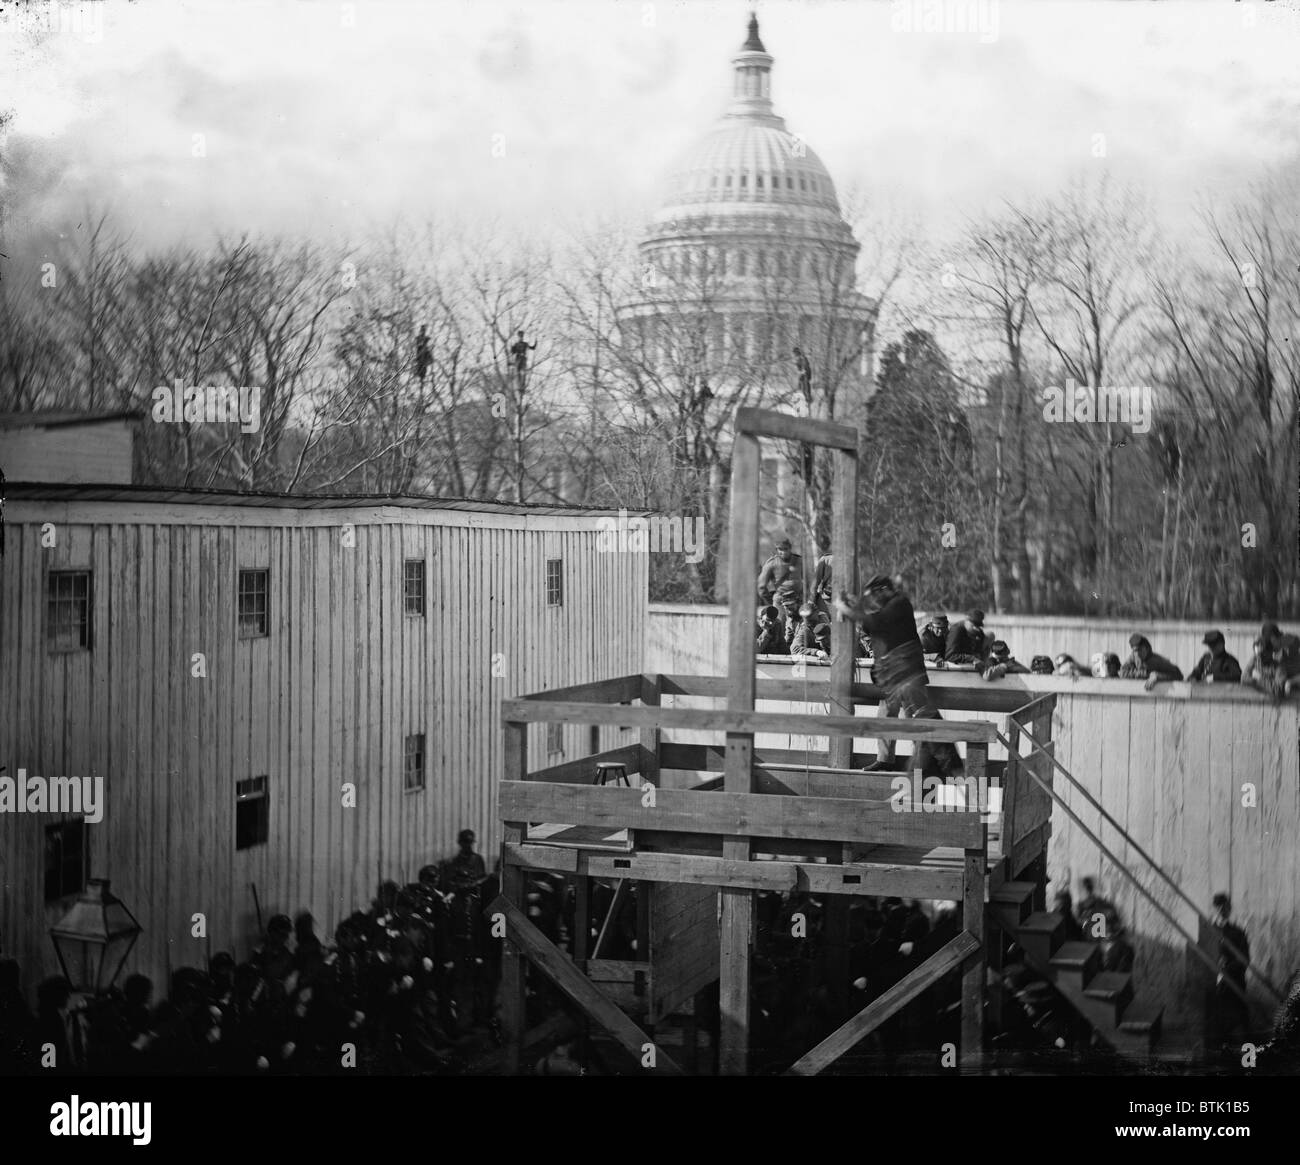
{"points": [[1216, 665], [1145, 664], [1275, 667], [1002, 662]]}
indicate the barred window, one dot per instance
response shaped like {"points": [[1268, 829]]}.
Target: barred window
{"points": [[555, 582], [254, 606], [65, 859], [68, 621], [413, 585], [413, 764], [554, 738], [252, 812]]}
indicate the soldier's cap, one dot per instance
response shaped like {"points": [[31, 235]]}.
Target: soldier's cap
{"points": [[1040, 663], [280, 922], [1136, 640], [784, 544], [938, 618], [771, 612], [1213, 637], [879, 582], [464, 835], [1000, 647], [977, 616], [1268, 630]]}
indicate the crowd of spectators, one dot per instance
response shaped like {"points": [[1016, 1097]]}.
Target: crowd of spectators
{"points": [[407, 986], [795, 622]]}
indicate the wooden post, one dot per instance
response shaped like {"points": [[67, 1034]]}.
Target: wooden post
{"points": [[974, 975], [844, 650], [650, 698], [737, 925], [513, 995]]}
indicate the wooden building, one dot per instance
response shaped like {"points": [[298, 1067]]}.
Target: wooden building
{"points": [[63, 445], [295, 694]]}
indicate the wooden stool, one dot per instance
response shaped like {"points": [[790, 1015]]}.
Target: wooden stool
{"points": [[610, 771]]}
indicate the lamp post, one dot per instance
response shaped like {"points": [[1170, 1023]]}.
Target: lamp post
{"points": [[94, 938]]}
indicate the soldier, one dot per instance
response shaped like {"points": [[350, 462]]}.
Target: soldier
{"points": [[804, 369], [770, 640], [1216, 665], [1145, 664], [519, 356], [813, 636], [780, 582], [1002, 663], [934, 637], [1230, 1019], [899, 665], [967, 641]]}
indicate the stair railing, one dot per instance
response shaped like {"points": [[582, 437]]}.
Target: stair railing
{"points": [[1123, 867]]}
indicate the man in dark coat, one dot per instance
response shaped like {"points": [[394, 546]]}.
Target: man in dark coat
{"points": [[1216, 665], [1230, 1019], [899, 666], [1145, 664], [934, 637], [1002, 663], [967, 641], [812, 638], [770, 639]]}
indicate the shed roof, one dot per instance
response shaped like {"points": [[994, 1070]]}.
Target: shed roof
{"points": [[57, 418], [169, 495]]}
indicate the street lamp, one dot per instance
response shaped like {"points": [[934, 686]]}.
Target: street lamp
{"points": [[95, 936]]}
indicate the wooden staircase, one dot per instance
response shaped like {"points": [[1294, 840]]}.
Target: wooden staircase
{"points": [[1105, 999]]}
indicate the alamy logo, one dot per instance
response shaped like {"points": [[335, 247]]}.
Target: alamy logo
{"points": [[220, 404], [653, 535], [1089, 404], [917, 794], [102, 1118], [65, 795]]}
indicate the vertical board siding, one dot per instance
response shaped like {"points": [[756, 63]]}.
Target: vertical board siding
{"points": [[327, 698]]}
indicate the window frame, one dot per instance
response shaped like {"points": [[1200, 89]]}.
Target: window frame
{"points": [[259, 793], [63, 861], [265, 572], [407, 564], [88, 638], [558, 589], [421, 751]]}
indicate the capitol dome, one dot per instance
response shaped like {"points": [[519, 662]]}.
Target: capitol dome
{"points": [[749, 243]]}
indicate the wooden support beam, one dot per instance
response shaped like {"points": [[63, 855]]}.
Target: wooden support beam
{"points": [[859, 879], [650, 737], [948, 958], [734, 814], [975, 974], [947, 696], [613, 691], [753, 422], [844, 559], [736, 938], [513, 993], [738, 721], [531, 943]]}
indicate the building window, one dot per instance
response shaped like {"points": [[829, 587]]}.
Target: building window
{"points": [[803, 182], [728, 181], [789, 182], [413, 585], [744, 182], [413, 764], [759, 182], [252, 812], [254, 617], [67, 622], [554, 738], [555, 582], [65, 859]]}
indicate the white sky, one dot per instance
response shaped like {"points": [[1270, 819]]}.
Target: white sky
{"points": [[330, 131]]}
